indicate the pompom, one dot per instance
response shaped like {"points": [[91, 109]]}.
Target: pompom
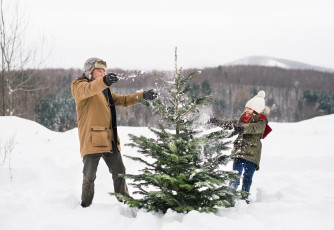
{"points": [[261, 94], [266, 111]]}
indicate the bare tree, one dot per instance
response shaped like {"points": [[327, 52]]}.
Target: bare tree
{"points": [[6, 151], [16, 56]]}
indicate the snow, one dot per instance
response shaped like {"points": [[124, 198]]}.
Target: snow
{"points": [[40, 183], [276, 62], [133, 76]]}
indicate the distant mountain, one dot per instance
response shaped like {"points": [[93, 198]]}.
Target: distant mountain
{"points": [[276, 62]]}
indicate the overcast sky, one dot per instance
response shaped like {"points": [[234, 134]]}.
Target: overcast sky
{"points": [[142, 34]]}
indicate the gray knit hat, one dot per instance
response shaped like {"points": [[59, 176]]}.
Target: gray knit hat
{"points": [[93, 63]]}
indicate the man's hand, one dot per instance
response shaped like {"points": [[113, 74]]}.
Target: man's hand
{"points": [[150, 95], [110, 78]]}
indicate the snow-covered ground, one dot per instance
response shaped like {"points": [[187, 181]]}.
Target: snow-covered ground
{"points": [[276, 62], [40, 183]]}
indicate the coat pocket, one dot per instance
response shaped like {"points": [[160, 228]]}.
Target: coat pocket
{"points": [[99, 136]]}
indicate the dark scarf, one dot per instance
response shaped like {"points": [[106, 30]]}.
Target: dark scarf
{"points": [[111, 105]]}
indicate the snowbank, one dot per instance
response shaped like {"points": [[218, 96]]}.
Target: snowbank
{"points": [[40, 183]]}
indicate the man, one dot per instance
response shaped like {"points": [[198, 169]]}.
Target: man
{"points": [[96, 114]]}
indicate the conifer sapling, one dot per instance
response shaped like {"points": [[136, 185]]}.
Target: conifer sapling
{"points": [[183, 165]]}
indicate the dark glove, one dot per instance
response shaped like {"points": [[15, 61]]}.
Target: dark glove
{"points": [[237, 130], [213, 120], [221, 123], [110, 78], [150, 95]]}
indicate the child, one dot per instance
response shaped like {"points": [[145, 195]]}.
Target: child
{"points": [[250, 127]]}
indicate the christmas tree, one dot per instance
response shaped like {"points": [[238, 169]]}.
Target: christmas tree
{"points": [[183, 165]]}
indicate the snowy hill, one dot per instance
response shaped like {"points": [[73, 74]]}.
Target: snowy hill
{"points": [[276, 62], [40, 183]]}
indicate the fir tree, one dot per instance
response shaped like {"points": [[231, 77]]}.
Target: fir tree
{"points": [[183, 167]]}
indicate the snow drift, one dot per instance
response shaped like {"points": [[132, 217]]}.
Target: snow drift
{"points": [[41, 175]]}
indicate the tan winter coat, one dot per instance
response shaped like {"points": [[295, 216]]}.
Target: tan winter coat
{"points": [[94, 116]]}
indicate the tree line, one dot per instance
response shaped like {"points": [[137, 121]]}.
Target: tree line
{"points": [[292, 95]]}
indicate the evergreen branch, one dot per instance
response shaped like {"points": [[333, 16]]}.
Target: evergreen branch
{"points": [[188, 78], [189, 110], [162, 80], [202, 100], [140, 160], [143, 191]]}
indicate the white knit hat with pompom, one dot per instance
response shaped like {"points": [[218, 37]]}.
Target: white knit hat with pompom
{"points": [[257, 103]]}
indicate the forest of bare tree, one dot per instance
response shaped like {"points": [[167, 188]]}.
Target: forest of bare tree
{"points": [[292, 95]]}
